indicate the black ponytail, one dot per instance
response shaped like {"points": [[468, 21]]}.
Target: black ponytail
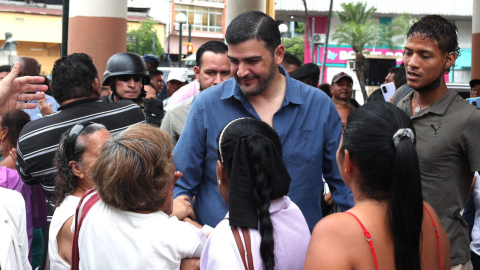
{"points": [[258, 160], [389, 173]]}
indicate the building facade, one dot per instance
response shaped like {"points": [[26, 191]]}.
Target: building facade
{"points": [[290, 12], [37, 27]]}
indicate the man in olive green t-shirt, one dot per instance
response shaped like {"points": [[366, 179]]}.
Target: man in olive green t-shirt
{"points": [[446, 128]]}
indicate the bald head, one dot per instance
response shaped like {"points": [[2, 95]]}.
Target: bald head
{"points": [[30, 67]]}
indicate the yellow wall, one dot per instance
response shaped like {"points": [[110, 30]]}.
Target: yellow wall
{"points": [[31, 27], [40, 36]]}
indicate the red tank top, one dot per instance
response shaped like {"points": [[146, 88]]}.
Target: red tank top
{"points": [[372, 248]]}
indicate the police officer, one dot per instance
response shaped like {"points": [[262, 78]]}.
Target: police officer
{"points": [[126, 74]]}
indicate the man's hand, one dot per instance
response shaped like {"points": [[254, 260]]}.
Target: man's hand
{"points": [[182, 208], [328, 199], [44, 107], [13, 154], [12, 89], [190, 264]]}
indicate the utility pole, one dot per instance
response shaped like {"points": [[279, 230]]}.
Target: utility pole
{"points": [[325, 46], [65, 18]]}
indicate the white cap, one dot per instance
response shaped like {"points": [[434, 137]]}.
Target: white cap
{"points": [[178, 74]]}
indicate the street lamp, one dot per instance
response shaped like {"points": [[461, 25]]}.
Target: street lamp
{"points": [[181, 19], [283, 28], [133, 39]]}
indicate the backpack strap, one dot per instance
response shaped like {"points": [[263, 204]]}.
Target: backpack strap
{"points": [[240, 246], [401, 93], [78, 223]]}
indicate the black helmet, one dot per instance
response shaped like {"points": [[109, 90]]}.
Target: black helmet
{"points": [[125, 63]]}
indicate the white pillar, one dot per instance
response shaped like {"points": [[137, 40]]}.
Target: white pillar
{"points": [[235, 8], [98, 28]]}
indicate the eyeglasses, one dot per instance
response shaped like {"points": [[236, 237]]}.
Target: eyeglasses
{"points": [[126, 78], [73, 135]]}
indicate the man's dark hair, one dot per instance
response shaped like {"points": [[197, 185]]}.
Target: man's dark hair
{"points": [[154, 73], [325, 87], [72, 77], [254, 25], [214, 46], [400, 78], [436, 28], [291, 59], [5, 68]]}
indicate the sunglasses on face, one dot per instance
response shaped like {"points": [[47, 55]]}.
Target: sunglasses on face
{"points": [[126, 78]]}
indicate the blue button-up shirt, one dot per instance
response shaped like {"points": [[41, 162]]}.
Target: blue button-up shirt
{"points": [[35, 113], [309, 128]]}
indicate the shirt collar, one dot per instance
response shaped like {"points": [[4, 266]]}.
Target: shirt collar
{"points": [[292, 93], [440, 106], [77, 102]]}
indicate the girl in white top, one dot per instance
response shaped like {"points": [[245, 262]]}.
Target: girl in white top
{"points": [[129, 227], [253, 179], [77, 150]]}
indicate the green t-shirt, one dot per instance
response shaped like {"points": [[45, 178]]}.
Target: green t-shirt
{"points": [[448, 147]]}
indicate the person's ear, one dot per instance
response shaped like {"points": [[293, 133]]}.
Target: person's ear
{"points": [[278, 54], [451, 57], [4, 133], [348, 163], [96, 87], [221, 175], [76, 169], [196, 70]]}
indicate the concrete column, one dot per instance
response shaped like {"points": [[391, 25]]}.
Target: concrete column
{"points": [[98, 28], [235, 8], [476, 40]]}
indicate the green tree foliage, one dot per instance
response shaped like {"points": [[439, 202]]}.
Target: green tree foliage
{"points": [[395, 33], [358, 30], [145, 39], [301, 28], [295, 46]]}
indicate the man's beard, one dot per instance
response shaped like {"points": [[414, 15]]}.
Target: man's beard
{"points": [[263, 82]]}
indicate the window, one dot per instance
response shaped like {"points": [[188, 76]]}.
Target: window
{"points": [[204, 19]]}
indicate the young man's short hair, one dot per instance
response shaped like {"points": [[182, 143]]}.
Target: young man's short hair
{"points": [[154, 73], [214, 46], [437, 28], [254, 25], [72, 77], [400, 77]]}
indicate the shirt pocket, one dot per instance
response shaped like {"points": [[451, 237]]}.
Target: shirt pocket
{"points": [[299, 147]]}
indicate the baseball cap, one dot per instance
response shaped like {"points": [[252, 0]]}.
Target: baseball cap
{"points": [[341, 75], [306, 71], [178, 74], [474, 82], [151, 59]]}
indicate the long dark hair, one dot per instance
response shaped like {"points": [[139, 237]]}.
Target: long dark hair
{"points": [[14, 121], [65, 180], [389, 173], [258, 159]]}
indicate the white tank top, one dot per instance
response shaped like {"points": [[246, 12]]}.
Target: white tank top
{"points": [[62, 213], [475, 244]]}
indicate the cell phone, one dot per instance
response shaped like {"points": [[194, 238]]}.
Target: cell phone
{"points": [[388, 90], [474, 101]]}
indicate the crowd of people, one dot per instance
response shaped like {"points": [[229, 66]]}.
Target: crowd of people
{"points": [[250, 166]]}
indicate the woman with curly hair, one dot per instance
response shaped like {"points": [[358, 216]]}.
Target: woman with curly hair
{"points": [[77, 151], [126, 222]]}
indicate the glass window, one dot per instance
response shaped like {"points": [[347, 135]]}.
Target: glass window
{"points": [[202, 18]]}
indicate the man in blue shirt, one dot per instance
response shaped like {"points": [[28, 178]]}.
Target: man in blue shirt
{"points": [[304, 117], [31, 67]]}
